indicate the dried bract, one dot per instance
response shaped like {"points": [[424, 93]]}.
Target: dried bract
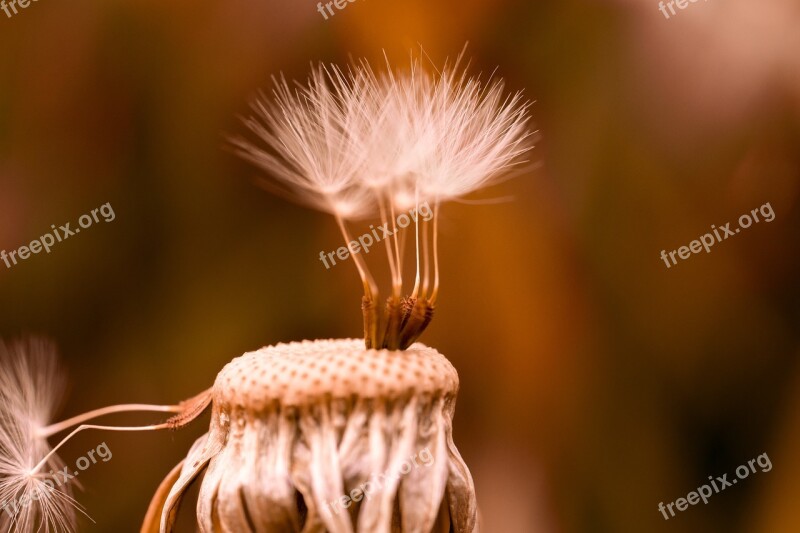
{"points": [[327, 436]]}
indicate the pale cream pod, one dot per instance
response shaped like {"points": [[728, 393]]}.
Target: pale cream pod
{"points": [[326, 435]]}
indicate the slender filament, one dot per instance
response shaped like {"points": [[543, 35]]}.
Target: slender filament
{"points": [[52, 429], [435, 292], [84, 427]]}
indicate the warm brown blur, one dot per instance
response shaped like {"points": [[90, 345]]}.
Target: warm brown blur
{"points": [[595, 381]]}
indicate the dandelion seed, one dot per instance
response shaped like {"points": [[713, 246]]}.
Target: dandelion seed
{"points": [[31, 386], [357, 142], [482, 136], [306, 143]]}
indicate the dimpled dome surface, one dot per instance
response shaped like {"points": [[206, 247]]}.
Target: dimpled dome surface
{"points": [[298, 373]]}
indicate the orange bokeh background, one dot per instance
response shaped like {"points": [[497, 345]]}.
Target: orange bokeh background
{"points": [[595, 382]]}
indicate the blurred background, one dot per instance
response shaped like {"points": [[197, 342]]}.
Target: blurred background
{"points": [[595, 382]]}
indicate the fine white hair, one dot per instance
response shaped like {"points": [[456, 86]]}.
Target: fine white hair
{"points": [[30, 387], [351, 135]]}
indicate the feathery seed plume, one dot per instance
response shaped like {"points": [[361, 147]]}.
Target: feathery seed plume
{"points": [[356, 143], [30, 388]]}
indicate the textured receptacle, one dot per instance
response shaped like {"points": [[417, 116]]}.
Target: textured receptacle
{"points": [[328, 436]]}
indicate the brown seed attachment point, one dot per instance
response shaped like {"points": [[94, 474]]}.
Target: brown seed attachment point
{"points": [[191, 409]]}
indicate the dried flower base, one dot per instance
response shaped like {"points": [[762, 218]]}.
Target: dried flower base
{"points": [[328, 436]]}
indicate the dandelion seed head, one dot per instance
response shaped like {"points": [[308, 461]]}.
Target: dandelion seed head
{"points": [[482, 136], [351, 135], [359, 144], [306, 142], [30, 387]]}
